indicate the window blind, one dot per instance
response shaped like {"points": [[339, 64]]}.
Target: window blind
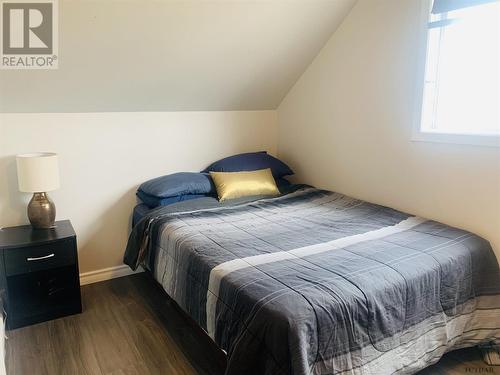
{"points": [[442, 6]]}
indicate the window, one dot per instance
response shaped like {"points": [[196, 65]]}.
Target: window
{"points": [[460, 93]]}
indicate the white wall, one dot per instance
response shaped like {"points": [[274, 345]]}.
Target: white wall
{"points": [[346, 126], [105, 156]]}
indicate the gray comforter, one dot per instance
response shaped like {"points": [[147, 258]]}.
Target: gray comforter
{"points": [[315, 282]]}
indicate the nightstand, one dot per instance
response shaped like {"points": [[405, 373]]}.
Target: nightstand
{"points": [[39, 273]]}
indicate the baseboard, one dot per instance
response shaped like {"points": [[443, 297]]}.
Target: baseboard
{"points": [[107, 274]]}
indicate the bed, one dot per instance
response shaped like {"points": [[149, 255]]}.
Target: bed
{"points": [[140, 211], [316, 282]]}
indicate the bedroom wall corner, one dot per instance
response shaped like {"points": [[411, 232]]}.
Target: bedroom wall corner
{"points": [[346, 126], [105, 156]]}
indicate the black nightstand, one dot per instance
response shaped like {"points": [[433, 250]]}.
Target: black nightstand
{"points": [[39, 273]]}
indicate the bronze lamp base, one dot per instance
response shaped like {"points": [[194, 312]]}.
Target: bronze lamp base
{"points": [[41, 211]]}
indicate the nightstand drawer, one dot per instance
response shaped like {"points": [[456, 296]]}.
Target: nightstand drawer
{"points": [[47, 294], [41, 257]]}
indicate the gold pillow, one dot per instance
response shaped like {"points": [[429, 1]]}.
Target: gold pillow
{"points": [[232, 185]]}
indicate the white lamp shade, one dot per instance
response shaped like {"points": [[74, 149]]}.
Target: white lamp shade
{"points": [[37, 172]]}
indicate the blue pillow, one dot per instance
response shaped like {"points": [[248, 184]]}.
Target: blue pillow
{"points": [[177, 184], [152, 201], [282, 182], [250, 162]]}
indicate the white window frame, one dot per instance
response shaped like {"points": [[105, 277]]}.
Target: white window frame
{"points": [[417, 134]]}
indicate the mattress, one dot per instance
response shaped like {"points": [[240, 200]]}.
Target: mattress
{"points": [[316, 282]]}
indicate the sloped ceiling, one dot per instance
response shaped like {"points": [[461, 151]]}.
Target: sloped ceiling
{"points": [[146, 55]]}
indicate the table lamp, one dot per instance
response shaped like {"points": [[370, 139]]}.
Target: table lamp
{"points": [[38, 173]]}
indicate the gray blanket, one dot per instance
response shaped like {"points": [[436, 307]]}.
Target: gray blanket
{"points": [[315, 282]]}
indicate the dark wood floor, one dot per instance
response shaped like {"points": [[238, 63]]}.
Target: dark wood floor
{"points": [[129, 327]]}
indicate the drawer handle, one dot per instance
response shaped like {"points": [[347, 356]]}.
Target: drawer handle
{"points": [[40, 258]]}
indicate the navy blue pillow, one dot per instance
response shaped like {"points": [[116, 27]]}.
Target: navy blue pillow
{"points": [[251, 161], [176, 184], [282, 182], [152, 201]]}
